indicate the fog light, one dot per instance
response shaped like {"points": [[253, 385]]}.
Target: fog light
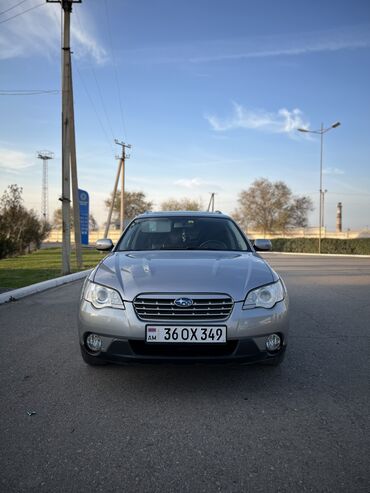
{"points": [[93, 342], [273, 342]]}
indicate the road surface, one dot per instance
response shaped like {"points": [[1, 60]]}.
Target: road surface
{"points": [[301, 427]]}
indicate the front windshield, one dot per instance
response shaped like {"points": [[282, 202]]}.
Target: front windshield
{"points": [[183, 233]]}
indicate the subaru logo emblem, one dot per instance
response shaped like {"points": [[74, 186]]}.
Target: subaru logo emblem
{"points": [[183, 302]]}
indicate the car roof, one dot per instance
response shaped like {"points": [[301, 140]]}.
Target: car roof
{"points": [[216, 214]]}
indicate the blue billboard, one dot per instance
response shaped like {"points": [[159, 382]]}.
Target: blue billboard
{"points": [[83, 198]]}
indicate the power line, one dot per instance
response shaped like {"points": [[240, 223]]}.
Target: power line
{"points": [[27, 92], [14, 6], [95, 110], [98, 88], [102, 102], [351, 194], [115, 69], [23, 12], [363, 194]]}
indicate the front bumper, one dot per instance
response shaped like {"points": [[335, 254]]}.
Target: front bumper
{"points": [[244, 352], [123, 336]]}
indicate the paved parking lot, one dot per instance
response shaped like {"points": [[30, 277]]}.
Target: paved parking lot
{"points": [[301, 427]]}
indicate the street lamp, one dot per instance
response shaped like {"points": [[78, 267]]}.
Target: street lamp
{"points": [[323, 208], [320, 132]]}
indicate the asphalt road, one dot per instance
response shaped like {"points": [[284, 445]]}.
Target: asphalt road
{"points": [[301, 427]]}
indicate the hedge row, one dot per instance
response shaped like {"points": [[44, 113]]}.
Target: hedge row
{"points": [[360, 246]]}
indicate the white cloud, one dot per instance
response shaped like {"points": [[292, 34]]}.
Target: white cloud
{"points": [[333, 171], [232, 49], [85, 38], [284, 121], [189, 183], [306, 48], [196, 183], [38, 33], [14, 161]]}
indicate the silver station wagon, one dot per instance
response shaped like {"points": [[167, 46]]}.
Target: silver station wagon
{"points": [[183, 287]]}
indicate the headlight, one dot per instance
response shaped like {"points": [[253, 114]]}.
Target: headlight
{"points": [[102, 297], [265, 297]]}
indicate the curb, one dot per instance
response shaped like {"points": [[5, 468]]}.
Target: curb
{"points": [[320, 254], [16, 294]]}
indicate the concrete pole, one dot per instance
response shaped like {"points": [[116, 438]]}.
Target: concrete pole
{"points": [[211, 204], [122, 225], [66, 186], [76, 202], [123, 161], [113, 200]]}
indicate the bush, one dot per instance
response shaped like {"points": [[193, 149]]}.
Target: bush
{"points": [[357, 246], [20, 229]]}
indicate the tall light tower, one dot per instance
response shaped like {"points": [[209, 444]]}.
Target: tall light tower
{"points": [[45, 156]]}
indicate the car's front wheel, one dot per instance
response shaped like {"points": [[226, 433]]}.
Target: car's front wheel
{"points": [[91, 360]]}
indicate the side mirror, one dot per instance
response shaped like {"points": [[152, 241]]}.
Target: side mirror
{"points": [[262, 245], [104, 245]]}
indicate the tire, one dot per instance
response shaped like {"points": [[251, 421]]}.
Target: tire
{"points": [[276, 361], [91, 360]]}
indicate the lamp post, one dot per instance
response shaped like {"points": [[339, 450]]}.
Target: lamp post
{"points": [[323, 208], [320, 132]]}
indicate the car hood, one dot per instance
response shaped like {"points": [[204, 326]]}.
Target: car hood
{"points": [[185, 272]]}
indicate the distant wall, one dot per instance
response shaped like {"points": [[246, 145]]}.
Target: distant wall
{"points": [[311, 233], [55, 235]]}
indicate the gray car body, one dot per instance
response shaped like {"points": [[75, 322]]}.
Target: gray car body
{"points": [[183, 273]]}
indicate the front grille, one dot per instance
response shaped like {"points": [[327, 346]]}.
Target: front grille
{"points": [[157, 308]]}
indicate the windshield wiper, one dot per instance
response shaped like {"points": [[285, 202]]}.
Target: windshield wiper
{"points": [[178, 248]]}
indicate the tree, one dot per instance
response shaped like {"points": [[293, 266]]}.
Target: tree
{"points": [[58, 220], [135, 203], [20, 229], [184, 204], [268, 206]]}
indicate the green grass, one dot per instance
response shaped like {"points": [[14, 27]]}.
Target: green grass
{"points": [[17, 272]]}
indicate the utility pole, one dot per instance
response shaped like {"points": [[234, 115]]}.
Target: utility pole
{"points": [[124, 156], [66, 135], [113, 200], [211, 205], [76, 201], [120, 172], [45, 156]]}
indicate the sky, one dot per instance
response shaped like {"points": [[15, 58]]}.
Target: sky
{"points": [[209, 94]]}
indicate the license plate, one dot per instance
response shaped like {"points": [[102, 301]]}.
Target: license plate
{"points": [[194, 335]]}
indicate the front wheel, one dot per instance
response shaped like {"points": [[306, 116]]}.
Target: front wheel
{"points": [[91, 360]]}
